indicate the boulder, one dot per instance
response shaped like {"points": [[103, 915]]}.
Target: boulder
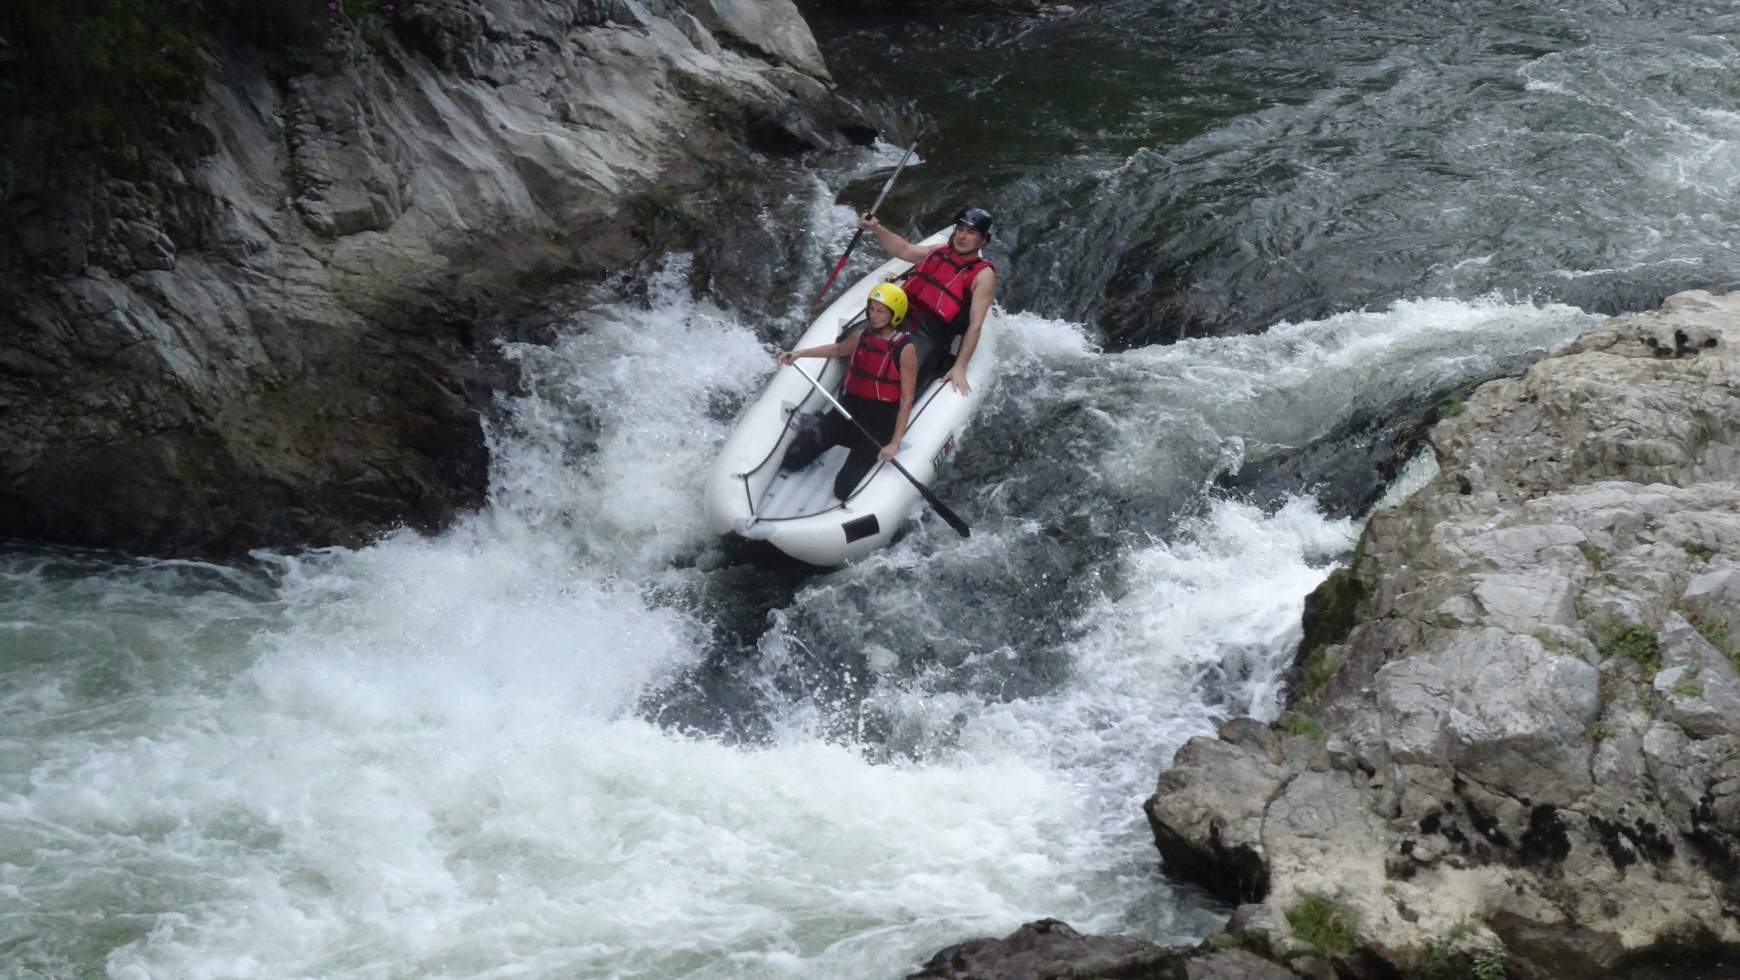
{"points": [[1047, 948], [1208, 816], [1528, 686], [1050, 950]]}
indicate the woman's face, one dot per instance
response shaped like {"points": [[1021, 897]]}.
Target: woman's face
{"points": [[878, 314]]}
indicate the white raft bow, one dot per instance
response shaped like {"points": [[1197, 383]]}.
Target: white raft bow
{"points": [[796, 512]]}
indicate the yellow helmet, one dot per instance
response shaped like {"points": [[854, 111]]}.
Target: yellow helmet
{"points": [[893, 297]]}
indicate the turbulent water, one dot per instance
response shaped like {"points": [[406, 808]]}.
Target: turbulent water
{"points": [[1210, 166], [577, 736]]}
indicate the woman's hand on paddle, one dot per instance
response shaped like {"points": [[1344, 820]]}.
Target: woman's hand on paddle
{"points": [[867, 222], [785, 357], [889, 451]]}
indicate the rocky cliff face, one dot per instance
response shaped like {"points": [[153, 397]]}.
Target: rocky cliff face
{"points": [[1514, 744], [258, 329]]}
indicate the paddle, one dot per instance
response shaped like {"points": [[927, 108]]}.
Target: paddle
{"points": [[854, 243], [930, 497]]}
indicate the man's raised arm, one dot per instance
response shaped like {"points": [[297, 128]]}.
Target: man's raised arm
{"points": [[892, 243]]}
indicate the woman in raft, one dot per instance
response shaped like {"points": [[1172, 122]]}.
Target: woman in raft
{"points": [[880, 380]]}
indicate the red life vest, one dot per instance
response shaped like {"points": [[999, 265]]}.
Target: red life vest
{"points": [[874, 371], [941, 284]]}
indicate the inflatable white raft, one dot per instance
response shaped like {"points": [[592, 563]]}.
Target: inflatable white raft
{"points": [[796, 512]]}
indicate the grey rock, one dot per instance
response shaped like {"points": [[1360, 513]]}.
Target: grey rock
{"points": [[266, 341], [772, 27], [1236, 964], [1208, 814], [1535, 707], [1050, 950], [1314, 967], [1519, 601], [1047, 949], [1697, 685], [1496, 705], [1255, 922], [1319, 821], [1719, 585]]}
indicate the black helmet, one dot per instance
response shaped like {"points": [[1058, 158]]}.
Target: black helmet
{"points": [[977, 219]]}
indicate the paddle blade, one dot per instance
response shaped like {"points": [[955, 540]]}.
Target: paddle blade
{"points": [[942, 510]]}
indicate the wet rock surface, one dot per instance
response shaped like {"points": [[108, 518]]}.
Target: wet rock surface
{"points": [[263, 326], [1051, 950], [1518, 717]]}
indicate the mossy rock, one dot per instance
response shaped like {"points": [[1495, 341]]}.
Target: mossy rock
{"points": [[1325, 925], [1332, 610]]}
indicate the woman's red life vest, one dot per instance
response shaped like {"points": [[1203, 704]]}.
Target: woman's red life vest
{"points": [[874, 371], [941, 283]]}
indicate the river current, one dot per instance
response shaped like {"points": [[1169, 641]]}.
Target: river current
{"points": [[1248, 249]]}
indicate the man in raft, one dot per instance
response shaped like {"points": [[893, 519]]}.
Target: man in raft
{"points": [[950, 288], [881, 378]]}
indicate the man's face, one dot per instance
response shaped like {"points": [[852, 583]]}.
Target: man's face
{"points": [[967, 239]]}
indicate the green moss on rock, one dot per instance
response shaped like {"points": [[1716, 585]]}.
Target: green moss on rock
{"points": [[1332, 610], [1323, 924], [1632, 641]]}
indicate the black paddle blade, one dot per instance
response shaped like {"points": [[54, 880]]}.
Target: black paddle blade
{"points": [[942, 510]]}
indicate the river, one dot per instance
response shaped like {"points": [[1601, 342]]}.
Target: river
{"points": [[1248, 248]]}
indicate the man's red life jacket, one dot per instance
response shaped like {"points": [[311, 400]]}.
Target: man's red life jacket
{"points": [[942, 283], [874, 371]]}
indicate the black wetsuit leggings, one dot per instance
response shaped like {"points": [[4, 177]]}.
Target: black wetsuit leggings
{"points": [[835, 430], [934, 340]]}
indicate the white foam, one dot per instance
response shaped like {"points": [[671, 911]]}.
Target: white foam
{"points": [[1553, 88], [609, 447], [1200, 635], [422, 757], [1419, 470], [1295, 382], [593, 851]]}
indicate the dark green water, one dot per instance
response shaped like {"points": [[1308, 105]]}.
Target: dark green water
{"points": [[1168, 169]]}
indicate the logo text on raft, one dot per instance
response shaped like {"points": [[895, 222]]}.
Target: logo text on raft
{"points": [[947, 450]]}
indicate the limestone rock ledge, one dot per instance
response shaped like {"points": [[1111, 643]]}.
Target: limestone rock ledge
{"points": [[260, 329], [1516, 737]]}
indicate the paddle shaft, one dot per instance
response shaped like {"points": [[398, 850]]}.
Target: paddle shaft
{"points": [[953, 519], [860, 234]]}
